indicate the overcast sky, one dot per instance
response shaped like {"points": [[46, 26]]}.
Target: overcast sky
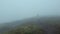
{"points": [[11, 10]]}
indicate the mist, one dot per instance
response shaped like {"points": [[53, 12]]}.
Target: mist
{"points": [[11, 10]]}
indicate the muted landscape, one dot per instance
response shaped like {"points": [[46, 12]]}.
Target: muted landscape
{"points": [[34, 25], [29, 16]]}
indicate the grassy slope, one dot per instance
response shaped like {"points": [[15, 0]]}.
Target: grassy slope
{"points": [[50, 25]]}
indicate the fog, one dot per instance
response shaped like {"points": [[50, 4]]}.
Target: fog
{"points": [[11, 10]]}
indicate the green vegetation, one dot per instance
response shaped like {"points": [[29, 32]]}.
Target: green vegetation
{"points": [[49, 25], [27, 29]]}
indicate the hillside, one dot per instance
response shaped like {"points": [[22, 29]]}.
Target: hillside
{"points": [[47, 25]]}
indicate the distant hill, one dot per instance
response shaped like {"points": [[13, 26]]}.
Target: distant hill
{"points": [[50, 25]]}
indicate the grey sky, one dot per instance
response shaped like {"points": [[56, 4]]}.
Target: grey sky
{"points": [[11, 10]]}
